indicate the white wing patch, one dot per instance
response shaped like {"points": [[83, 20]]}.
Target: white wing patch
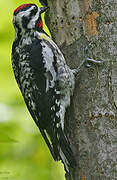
{"points": [[48, 64]]}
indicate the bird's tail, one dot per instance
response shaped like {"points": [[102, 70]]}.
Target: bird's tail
{"points": [[61, 147], [66, 153]]}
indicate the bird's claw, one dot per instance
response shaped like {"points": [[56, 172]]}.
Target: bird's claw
{"points": [[89, 61]]}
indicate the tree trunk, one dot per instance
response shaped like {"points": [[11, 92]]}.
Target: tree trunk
{"points": [[91, 120]]}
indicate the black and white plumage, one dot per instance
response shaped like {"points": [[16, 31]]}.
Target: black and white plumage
{"points": [[45, 80]]}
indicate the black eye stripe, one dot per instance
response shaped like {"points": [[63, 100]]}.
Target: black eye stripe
{"points": [[26, 8], [34, 11]]}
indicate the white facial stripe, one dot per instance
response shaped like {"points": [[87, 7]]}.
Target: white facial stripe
{"points": [[33, 20], [25, 13]]}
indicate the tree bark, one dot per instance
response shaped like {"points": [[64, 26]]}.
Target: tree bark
{"points": [[91, 120]]}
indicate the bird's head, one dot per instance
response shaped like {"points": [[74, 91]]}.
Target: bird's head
{"points": [[28, 16]]}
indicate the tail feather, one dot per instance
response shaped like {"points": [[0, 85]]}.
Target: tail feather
{"points": [[66, 152], [61, 148]]}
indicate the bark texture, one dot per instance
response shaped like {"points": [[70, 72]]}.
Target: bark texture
{"points": [[91, 120]]}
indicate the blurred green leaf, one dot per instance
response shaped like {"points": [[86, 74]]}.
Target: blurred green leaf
{"points": [[5, 138]]}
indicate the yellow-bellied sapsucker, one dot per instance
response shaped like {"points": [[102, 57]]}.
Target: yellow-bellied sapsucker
{"points": [[45, 80]]}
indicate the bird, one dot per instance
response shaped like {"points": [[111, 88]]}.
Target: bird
{"points": [[45, 80]]}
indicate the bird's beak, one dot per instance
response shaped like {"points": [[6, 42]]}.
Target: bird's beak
{"points": [[43, 9]]}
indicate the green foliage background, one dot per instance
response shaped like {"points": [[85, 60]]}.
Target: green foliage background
{"points": [[23, 153]]}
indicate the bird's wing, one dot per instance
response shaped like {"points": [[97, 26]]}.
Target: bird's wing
{"points": [[53, 66], [44, 69]]}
